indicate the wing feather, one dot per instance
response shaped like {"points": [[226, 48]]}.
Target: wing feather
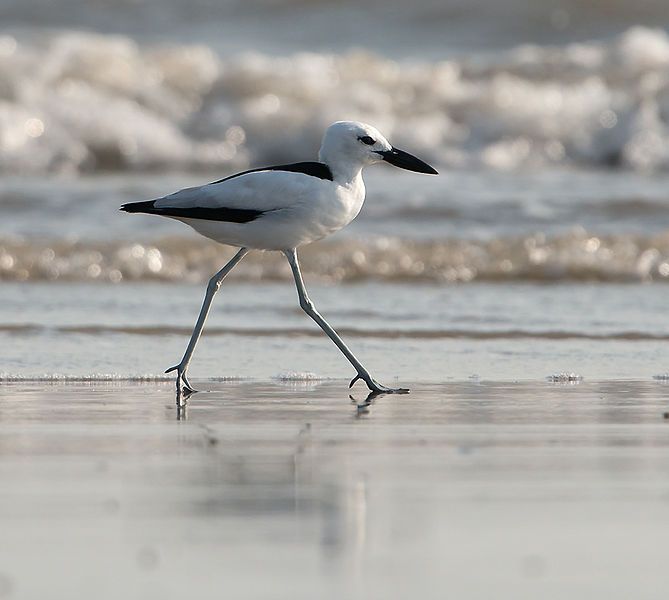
{"points": [[260, 191]]}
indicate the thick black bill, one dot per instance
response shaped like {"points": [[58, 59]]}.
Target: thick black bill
{"points": [[407, 161]]}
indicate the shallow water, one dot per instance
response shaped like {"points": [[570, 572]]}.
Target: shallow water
{"points": [[428, 333], [472, 490]]}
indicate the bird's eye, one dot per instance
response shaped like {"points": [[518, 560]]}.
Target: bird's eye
{"points": [[365, 139]]}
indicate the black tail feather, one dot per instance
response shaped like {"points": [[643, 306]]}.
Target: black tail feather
{"points": [[140, 207], [229, 215]]}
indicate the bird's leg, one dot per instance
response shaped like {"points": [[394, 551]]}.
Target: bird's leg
{"points": [[308, 307], [212, 288]]}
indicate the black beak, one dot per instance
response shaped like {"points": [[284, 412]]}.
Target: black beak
{"points": [[407, 161]]}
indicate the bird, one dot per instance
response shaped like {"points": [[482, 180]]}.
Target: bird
{"points": [[281, 208]]}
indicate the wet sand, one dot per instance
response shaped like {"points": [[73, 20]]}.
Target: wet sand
{"points": [[265, 490]]}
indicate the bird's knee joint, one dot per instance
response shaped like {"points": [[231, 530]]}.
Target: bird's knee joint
{"points": [[306, 305], [214, 285]]}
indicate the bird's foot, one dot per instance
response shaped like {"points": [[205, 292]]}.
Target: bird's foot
{"points": [[184, 388], [375, 386]]}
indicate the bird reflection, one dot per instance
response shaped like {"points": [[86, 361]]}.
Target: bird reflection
{"points": [[362, 406], [182, 396]]}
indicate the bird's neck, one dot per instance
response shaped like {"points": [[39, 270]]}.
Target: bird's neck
{"points": [[346, 173]]}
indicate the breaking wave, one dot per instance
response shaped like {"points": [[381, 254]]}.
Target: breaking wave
{"points": [[76, 102], [575, 256]]}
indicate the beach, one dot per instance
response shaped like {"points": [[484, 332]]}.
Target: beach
{"points": [[521, 295], [285, 490]]}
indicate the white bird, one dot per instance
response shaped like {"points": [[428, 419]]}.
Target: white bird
{"points": [[282, 208]]}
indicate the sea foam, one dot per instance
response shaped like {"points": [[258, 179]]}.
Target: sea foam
{"points": [[77, 102]]}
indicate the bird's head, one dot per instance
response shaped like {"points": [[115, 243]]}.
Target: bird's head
{"points": [[352, 141]]}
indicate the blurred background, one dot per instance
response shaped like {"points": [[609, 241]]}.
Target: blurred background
{"points": [[532, 252]]}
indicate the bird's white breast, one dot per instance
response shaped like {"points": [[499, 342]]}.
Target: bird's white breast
{"points": [[337, 206]]}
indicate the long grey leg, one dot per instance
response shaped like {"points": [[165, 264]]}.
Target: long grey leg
{"points": [[308, 307], [212, 288]]}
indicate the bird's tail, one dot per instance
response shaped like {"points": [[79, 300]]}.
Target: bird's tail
{"points": [[140, 207]]}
